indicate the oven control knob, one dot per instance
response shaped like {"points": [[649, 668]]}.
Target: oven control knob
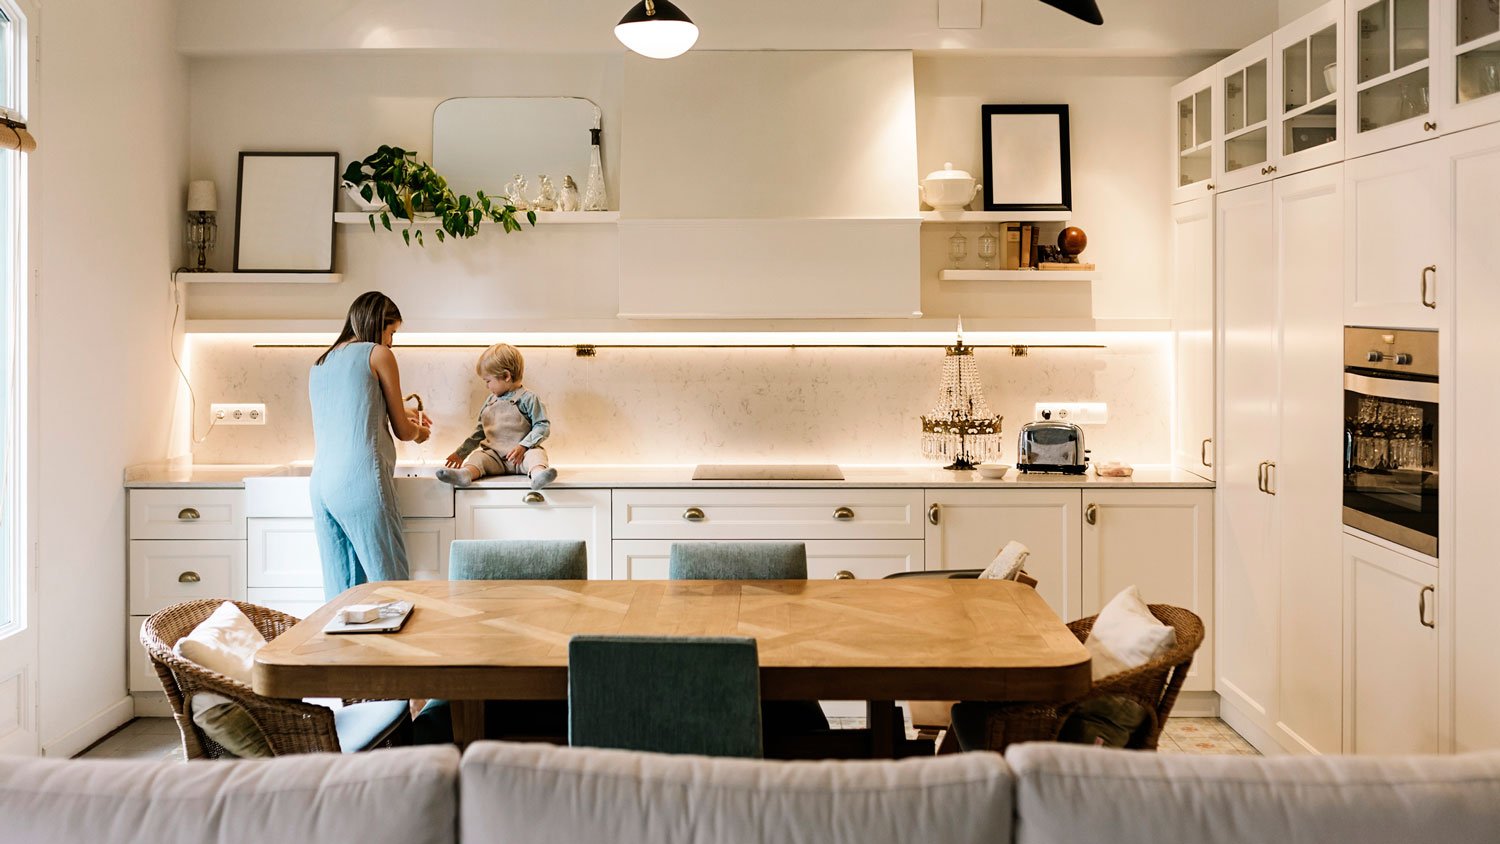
{"points": [[1375, 357], [1403, 359]]}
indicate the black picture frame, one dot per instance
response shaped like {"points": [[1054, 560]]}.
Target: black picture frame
{"points": [[998, 144], [286, 217]]}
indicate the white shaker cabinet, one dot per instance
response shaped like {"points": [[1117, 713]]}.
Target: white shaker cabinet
{"points": [[827, 559], [1243, 147], [1472, 30], [1195, 106], [579, 514], [1395, 227], [1193, 335], [1394, 77], [1391, 659], [1306, 102]]}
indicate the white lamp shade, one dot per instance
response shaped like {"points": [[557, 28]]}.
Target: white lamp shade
{"points": [[658, 39], [202, 196]]}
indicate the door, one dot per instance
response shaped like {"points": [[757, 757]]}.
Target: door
{"points": [[1193, 334], [864, 559], [1390, 651], [1308, 55], [1244, 144], [1395, 222], [1247, 577], [1309, 466], [967, 527], [1195, 114], [1390, 74], [1177, 526], [1472, 31], [546, 514]]}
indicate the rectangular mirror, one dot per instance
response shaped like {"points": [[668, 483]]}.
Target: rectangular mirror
{"points": [[479, 143]]}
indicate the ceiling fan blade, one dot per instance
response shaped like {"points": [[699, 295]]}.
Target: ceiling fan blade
{"points": [[1085, 10]]}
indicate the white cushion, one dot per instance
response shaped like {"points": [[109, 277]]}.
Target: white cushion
{"points": [[539, 793], [1126, 635], [407, 796], [1068, 794], [225, 642], [1007, 563]]}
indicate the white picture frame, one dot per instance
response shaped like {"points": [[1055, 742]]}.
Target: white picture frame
{"points": [[283, 220]]}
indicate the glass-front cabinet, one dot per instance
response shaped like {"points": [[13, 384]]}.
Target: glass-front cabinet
{"points": [[1308, 54], [1196, 113], [1472, 99], [1244, 146], [1392, 73]]}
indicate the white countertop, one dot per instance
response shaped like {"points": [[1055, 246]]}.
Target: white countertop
{"points": [[224, 476]]}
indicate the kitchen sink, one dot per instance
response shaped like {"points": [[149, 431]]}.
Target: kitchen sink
{"points": [[419, 494]]}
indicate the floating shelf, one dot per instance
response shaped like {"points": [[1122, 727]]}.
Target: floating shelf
{"points": [[996, 216], [261, 278], [1018, 275], [570, 331], [543, 218]]}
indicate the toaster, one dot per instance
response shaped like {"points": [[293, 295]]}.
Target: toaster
{"points": [[1051, 447]]}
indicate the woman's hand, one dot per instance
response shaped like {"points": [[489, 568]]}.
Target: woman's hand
{"points": [[417, 417], [423, 432], [516, 455], [453, 461]]}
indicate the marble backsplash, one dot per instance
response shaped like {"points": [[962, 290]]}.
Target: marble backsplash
{"points": [[853, 405]]}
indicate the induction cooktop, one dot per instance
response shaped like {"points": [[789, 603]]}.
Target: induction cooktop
{"points": [[767, 472]]}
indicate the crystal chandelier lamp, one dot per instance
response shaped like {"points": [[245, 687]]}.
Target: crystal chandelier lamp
{"points": [[961, 427]]}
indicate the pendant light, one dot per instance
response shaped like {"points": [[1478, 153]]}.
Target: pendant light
{"points": [[1085, 10], [657, 29]]}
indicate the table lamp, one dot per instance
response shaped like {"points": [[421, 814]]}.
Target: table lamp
{"points": [[202, 229]]}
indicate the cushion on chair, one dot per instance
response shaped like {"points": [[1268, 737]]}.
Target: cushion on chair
{"points": [[1068, 793], [1007, 563], [1126, 635], [1108, 721], [229, 725], [539, 793], [518, 559], [361, 725], [738, 561], [224, 642]]}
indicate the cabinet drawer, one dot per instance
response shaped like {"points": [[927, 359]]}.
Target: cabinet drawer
{"points": [[768, 514], [866, 559], [187, 514], [166, 572], [142, 675]]}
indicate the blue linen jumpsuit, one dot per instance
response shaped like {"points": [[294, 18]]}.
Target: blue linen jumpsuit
{"points": [[353, 477]]}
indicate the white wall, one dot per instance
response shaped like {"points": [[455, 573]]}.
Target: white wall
{"points": [[112, 117], [1289, 10]]}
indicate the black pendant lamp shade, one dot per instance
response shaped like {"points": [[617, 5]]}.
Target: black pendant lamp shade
{"points": [[657, 28], [1085, 10]]}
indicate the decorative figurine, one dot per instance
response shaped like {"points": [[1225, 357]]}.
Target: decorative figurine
{"points": [[515, 193], [546, 195], [568, 200], [1072, 241]]}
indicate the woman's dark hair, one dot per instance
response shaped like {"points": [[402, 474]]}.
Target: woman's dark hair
{"points": [[368, 318]]}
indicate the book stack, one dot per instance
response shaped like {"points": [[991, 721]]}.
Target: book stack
{"points": [[1020, 250]]}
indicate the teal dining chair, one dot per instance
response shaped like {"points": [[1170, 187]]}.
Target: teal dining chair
{"points": [[700, 695]]}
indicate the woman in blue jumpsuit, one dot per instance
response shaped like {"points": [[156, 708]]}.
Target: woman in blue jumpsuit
{"points": [[355, 389]]}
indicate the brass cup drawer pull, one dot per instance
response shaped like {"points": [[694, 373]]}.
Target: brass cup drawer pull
{"points": [[188, 514], [534, 498], [1091, 514], [693, 514], [844, 574], [189, 577], [933, 513], [843, 514]]}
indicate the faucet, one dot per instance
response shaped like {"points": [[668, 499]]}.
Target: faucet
{"points": [[420, 408]]}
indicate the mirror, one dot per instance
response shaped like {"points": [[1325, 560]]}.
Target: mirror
{"points": [[479, 143]]}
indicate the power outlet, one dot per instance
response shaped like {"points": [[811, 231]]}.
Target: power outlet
{"points": [[1079, 413], [237, 414]]}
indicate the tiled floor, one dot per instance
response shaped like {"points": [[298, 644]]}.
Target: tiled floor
{"points": [[157, 738]]}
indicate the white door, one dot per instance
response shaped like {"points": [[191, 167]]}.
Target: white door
{"points": [[1471, 35], [1390, 651], [1193, 331], [1247, 579], [1308, 476], [1195, 115], [427, 545], [546, 514], [1395, 222], [864, 559], [967, 527], [282, 554], [1244, 141], [1161, 541], [1391, 84]]}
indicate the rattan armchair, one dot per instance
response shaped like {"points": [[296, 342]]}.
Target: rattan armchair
{"points": [[1154, 685], [289, 726]]}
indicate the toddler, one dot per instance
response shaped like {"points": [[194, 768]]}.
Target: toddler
{"points": [[512, 424]]}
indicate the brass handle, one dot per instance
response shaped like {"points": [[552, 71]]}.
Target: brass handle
{"points": [[1429, 126], [534, 498], [1264, 171], [1260, 476], [1203, 452], [932, 513], [188, 514], [1272, 168], [693, 514], [843, 574], [1432, 269], [1091, 514], [843, 514], [1210, 185], [188, 577], [1270, 476], [1422, 605]]}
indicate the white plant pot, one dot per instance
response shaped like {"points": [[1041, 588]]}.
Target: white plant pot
{"points": [[352, 190]]}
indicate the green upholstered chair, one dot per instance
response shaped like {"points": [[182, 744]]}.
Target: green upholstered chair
{"points": [[698, 695], [738, 561], [507, 559]]}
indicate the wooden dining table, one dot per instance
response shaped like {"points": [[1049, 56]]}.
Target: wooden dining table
{"points": [[879, 641]]}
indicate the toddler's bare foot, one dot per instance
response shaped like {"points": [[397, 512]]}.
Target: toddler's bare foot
{"points": [[457, 477], [543, 476]]}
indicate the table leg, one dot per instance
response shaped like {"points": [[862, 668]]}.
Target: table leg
{"points": [[882, 721], [468, 721]]}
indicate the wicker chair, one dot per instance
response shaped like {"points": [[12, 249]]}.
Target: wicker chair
{"points": [[289, 726], [1154, 685]]}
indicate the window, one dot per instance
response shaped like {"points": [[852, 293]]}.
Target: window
{"points": [[13, 390]]}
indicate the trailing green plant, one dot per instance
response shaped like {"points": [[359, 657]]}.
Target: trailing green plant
{"points": [[408, 186]]}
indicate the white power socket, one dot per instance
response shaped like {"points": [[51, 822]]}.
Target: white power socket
{"points": [[1079, 413], [237, 414]]}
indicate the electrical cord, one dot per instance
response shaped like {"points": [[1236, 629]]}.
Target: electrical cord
{"points": [[172, 348]]}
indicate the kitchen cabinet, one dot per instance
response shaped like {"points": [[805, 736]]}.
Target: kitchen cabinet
{"points": [[1160, 540], [1308, 55], [1472, 29], [1243, 149], [166, 571], [580, 514], [1193, 335], [1395, 73], [1196, 107], [966, 528], [704, 514], [1395, 226], [865, 559], [1391, 660]]}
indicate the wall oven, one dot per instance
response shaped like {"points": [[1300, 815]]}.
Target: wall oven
{"points": [[1391, 435]]}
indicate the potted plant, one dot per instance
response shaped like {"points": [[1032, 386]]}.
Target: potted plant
{"points": [[408, 188]]}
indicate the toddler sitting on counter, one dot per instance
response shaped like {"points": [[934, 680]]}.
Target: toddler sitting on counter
{"points": [[512, 425]]}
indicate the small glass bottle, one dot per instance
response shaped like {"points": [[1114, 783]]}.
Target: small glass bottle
{"points": [[958, 248], [988, 247], [594, 196]]}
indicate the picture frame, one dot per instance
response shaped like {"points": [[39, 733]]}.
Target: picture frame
{"points": [[284, 203], [1027, 161]]}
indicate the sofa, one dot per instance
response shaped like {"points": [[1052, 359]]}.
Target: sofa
{"points": [[497, 792]]}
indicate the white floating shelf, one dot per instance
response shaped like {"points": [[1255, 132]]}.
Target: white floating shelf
{"points": [[1018, 275], [261, 278], [543, 218], [996, 216]]}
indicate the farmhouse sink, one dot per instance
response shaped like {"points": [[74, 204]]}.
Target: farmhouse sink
{"points": [[419, 494]]}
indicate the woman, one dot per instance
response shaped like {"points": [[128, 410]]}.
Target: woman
{"points": [[355, 389]]}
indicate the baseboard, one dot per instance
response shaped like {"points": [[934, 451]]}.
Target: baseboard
{"points": [[1249, 730], [1196, 705], [151, 705], [78, 740]]}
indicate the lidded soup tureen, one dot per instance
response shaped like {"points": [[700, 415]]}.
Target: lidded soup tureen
{"points": [[949, 189]]}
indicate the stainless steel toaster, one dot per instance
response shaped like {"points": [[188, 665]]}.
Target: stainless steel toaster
{"points": [[1051, 447]]}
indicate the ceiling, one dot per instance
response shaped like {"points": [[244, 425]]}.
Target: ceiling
{"points": [[1132, 27]]}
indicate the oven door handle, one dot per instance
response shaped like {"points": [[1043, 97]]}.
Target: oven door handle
{"points": [[1391, 388]]}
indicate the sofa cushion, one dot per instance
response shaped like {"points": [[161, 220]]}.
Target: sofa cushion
{"points": [[540, 793], [406, 795], [1067, 794]]}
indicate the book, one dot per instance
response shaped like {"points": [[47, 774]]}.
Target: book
{"points": [[1011, 238], [1053, 265], [1027, 234]]}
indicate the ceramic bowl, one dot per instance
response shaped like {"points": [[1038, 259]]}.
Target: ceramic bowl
{"points": [[994, 471], [352, 191], [1331, 76]]}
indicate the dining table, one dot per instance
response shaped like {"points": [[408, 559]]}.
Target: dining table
{"points": [[879, 641]]}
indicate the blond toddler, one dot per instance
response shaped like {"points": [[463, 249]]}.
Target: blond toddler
{"points": [[512, 425]]}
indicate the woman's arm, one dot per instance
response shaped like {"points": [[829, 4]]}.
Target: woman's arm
{"points": [[383, 365]]}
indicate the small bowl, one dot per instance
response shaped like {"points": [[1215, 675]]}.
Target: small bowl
{"points": [[994, 471]]}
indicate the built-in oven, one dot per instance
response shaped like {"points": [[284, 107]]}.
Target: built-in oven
{"points": [[1391, 435]]}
